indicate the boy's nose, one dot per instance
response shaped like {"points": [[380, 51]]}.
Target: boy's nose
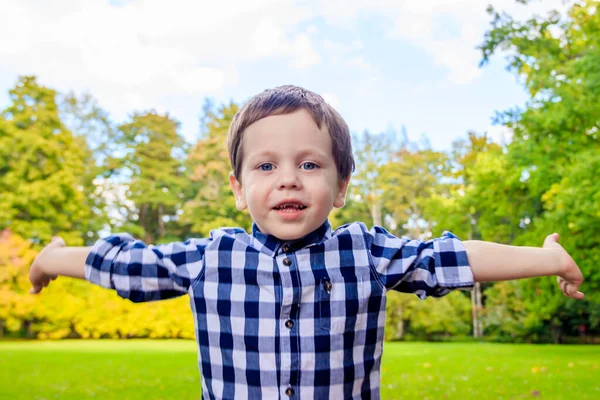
{"points": [[289, 179]]}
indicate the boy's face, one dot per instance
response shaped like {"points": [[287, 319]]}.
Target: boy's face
{"points": [[289, 179]]}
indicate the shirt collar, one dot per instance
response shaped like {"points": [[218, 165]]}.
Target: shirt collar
{"points": [[272, 243]]}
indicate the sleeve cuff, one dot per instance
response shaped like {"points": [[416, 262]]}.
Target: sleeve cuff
{"points": [[452, 267]]}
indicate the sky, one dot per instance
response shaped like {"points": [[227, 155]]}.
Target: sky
{"points": [[383, 64]]}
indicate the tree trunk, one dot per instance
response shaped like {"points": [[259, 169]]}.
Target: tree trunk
{"points": [[27, 328], [475, 299], [161, 223], [474, 312], [556, 331], [479, 308], [376, 213], [400, 324]]}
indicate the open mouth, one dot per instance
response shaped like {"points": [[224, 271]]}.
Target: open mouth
{"points": [[289, 207]]}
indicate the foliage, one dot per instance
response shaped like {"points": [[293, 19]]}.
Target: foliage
{"points": [[554, 147], [212, 204], [42, 168], [69, 308], [87, 120], [449, 316], [153, 162]]}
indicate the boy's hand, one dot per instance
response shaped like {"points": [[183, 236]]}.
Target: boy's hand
{"points": [[38, 278], [570, 277]]}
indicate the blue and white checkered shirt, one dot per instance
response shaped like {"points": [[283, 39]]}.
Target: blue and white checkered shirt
{"points": [[275, 319]]}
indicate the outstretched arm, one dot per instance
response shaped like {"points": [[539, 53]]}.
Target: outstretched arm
{"points": [[137, 271], [492, 262], [54, 260]]}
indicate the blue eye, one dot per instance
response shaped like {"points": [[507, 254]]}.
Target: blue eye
{"points": [[309, 165], [266, 167]]}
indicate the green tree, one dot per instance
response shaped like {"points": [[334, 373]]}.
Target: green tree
{"points": [[448, 316], [412, 177], [211, 203], [85, 118], [42, 172], [366, 192], [554, 145], [153, 167], [556, 56]]}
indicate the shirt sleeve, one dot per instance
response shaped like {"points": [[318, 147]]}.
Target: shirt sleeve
{"points": [[426, 268], [141, 272]]}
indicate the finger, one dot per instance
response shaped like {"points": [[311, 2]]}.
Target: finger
{"points": [[574, 293], [551, 239], [564, 287], [572, 290], [35, 289], [562, 284], [578, 295]]}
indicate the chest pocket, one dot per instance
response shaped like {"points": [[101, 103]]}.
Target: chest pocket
{"points": [[342, 306]]}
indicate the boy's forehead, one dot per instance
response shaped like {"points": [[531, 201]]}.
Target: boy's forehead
{"points": [[296, 128], [292, 142]]}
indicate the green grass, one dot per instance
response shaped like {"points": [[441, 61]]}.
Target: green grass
{"points": [[148, 369]]}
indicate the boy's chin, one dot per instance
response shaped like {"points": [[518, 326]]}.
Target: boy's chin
{"points": [[289, 236], [288, 233]]}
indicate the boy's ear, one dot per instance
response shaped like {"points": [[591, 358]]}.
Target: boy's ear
{"points": [[340, 198], [236, 187]]}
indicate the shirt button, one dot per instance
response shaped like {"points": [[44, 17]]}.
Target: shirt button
{"points": [[289, 324], [289, 391], [287, 262], [286, 248], [328, 286]]}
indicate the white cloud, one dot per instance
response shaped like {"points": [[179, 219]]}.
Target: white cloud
{"points": [[451, 45], [137, 54], [267, 37], [145, 43], [142, 54]]}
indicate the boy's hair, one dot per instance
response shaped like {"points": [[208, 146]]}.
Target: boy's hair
{"points": [[284, 100]]}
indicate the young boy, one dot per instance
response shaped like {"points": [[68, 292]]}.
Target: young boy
{"points": [[294, 309]]}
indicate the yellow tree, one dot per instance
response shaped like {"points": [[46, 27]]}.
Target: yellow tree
{"points": [[16, 305]]}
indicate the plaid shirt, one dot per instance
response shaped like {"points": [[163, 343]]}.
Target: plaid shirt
{"points": [[275, 319]]}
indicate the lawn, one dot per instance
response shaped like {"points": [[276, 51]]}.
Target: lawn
{"points": [[148, 369]]}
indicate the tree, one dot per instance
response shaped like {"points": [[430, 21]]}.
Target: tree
{"points": [[153, 167], [556, 58], [42, 173], [16, 306], [412, 177], [555, 142], [86, 119], [211, 203]]}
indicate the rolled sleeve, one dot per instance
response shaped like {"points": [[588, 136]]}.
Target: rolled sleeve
{"points": [[426, 268], [141, 272]]}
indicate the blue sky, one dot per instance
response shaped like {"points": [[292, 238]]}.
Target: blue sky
{"points": [[383, 64]]}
